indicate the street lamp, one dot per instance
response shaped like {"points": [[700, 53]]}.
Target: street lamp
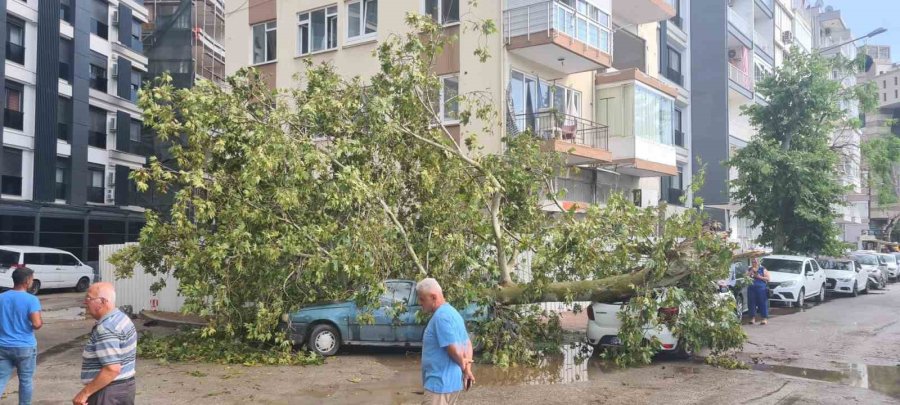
{"points": [[877, 31]]}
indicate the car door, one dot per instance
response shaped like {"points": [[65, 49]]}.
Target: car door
{"points": [[862, 276], [70, 268], [819, 275], [411, 330], [386, 320], [43, 272], [809, 282]]}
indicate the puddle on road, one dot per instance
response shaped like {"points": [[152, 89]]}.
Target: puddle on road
{"points": [[576, 364], [883, 379]]}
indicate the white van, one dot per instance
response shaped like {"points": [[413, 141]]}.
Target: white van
{"points": [[53, 268]]}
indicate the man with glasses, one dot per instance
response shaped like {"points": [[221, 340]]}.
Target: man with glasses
{"points": [[107, 368], [20, 316]]}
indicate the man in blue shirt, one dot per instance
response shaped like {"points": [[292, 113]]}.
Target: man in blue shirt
{"points": [[446, 349], [20, 316]]}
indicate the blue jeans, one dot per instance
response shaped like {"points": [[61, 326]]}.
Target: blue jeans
{"points": [[758, 298], [23, 359]]}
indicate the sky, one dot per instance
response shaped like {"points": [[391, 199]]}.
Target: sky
{"points": [[863, 16]]}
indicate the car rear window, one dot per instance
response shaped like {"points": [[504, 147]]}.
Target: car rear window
{"points": [[781, 265], [8, 258]]}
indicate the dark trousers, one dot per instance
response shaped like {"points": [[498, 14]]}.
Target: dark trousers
{"points": [[758, 298], [116, 393]]}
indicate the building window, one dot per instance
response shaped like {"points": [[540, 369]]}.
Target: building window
{"points": [[264, 42], [317, 30], [65, 59], [15, 40], [884, 96], [672, 188], [135, 133], [677, 20], [97, 129], [62, 175], [100, 19], [443, 11], [64, 119], [11, 176], [448, 108], [13, 117], [637, 110], [136, 43], [895, 93], [65, 10], [362, 19], [135, 85], [95, 185], [679, 135], [895, 80], [98, 78], [673, 71]]}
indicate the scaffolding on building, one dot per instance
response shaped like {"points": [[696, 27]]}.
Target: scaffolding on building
{"points": [[184, 38]]}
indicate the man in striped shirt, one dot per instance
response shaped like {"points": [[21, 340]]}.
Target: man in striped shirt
{"points": [[107, 368]]}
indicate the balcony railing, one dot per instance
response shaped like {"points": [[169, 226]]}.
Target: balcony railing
{"points": [[553, 15], [739, 22], [13, 119], [15, 53], [97, 139], [95, 195], [740, 77], [552, 125]]}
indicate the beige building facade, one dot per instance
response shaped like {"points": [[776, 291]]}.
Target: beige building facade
{"points": [[587, 76]]}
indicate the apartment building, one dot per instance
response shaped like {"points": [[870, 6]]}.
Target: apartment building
{"points": [[65, 181], [734, 44], [600, 79], [184, 38]]}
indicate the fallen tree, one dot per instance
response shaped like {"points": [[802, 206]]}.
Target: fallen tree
{"points": [[283, 198]]}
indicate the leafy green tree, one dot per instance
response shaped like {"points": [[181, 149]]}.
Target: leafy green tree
{"points": [[882, 156], [285, 198], [788, 179]]}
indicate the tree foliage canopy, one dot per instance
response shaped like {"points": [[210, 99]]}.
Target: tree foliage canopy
{"points": [[317, 193], [788, 180]]}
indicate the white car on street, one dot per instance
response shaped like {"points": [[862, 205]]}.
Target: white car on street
{"points": [[844, 276], [893, 270], [603, 328], [53, 268], [793, 279]]}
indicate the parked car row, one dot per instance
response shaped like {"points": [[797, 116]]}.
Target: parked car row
{"points": [[53, 268]]}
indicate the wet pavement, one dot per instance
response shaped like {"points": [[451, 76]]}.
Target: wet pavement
{"points": [[883, 379]]}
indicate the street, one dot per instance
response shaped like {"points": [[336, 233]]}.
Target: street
{"points": [[837, 352]]}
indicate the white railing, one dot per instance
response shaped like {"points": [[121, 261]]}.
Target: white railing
{"points": [[740, 77], [552, 16], [739, 22]]}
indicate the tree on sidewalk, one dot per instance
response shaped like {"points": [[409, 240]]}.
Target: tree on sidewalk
{"points": [[788, 179], [320, 192], [882, 157]]}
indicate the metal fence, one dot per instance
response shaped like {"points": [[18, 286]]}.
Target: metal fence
{"points": [[564, 127], [135, 290]]}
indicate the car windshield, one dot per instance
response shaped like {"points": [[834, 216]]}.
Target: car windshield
{"points": [[781, 265], [7, 258], [881, 260], [835, 265], [868, 260]]}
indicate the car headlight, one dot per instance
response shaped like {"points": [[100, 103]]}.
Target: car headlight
{"points": [[788, 283]]}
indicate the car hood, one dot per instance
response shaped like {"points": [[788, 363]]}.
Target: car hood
{"points": [[840, 273], [779, 277]]}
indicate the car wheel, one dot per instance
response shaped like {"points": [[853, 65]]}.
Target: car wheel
{"points": [[35, 287], [821, 297], [801, 298], [82, 285], [682, 351], [324, 340], [883, 284]]}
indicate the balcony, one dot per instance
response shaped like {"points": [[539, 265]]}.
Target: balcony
{"points": [[62, 132], [15, 53], [582, 141], [644, 11], [740, 23], [639, 111], [739, 77], [763, 43], [13, 119], [99, 83], [558, 37], [97, 139]]}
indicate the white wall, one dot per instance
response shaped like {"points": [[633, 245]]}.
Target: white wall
{"points": [[135, 290]]}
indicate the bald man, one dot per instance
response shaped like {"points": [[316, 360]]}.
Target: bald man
{"points": [[107, 368]]}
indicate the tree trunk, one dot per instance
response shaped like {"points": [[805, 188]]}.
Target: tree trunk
{"points": [[780, 238], [888, 228]]}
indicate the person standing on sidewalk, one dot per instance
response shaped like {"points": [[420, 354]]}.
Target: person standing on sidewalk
{"points": [[758, 292], [107, 368], [446, 348], [20, 316]]}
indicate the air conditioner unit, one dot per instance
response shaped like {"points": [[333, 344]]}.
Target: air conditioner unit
{"points": [[115, 70], [734, 55], [115, 18], [112, 124], [110, 195], [787, 37], [111, 179]]}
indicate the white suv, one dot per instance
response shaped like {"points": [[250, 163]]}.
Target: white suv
{"points": [[893, 270], [844, 276], [53, 268], [793, 279]]}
